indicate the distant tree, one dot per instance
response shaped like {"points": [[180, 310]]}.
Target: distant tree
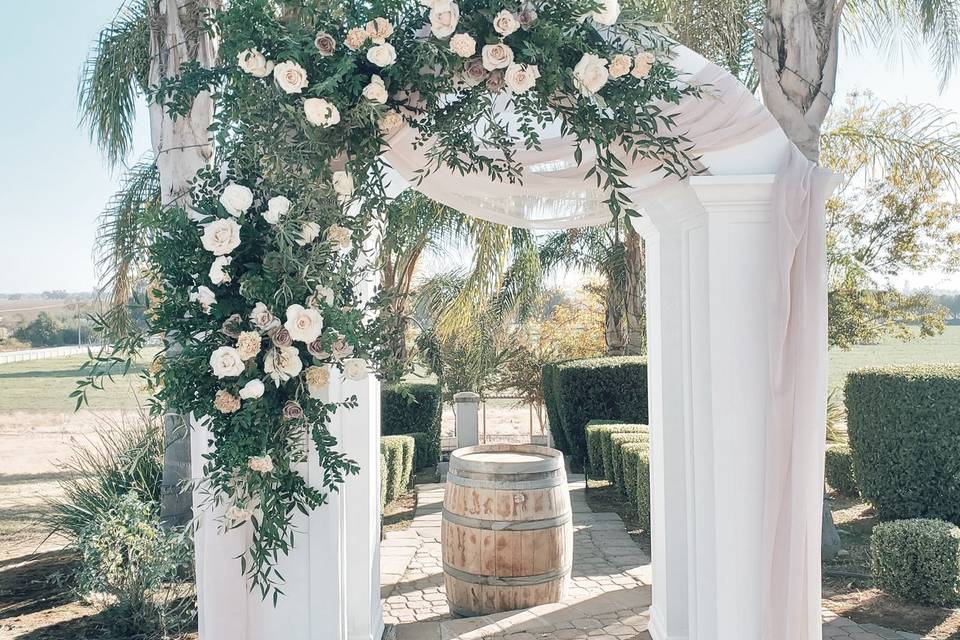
{"points": [[42, 331]]}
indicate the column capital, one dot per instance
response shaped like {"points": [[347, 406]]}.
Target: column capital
{"points": [[748, 197]]}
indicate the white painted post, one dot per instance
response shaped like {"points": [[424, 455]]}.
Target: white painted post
{"points": [[466, 406]]}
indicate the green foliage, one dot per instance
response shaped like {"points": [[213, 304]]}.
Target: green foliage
{"points": [[132, 567], [613, 388], [904, 427], [398, 452], [617, 441], [839, 470], [605, 437], [594, 446], [636, 474], [384, 479], [49, 331], [414, 409], [918, 560]]}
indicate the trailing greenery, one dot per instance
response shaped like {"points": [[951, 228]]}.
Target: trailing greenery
{"points": [[414, 408], [594, 445], [578, 391], [397, 452], [904, 427], [839, 470], [617, 441], [918, 560]]}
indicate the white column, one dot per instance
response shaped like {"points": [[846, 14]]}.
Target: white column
{"points": [[466, 405]]}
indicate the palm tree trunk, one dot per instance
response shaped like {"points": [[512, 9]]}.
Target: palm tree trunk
{"points": [[181, 147], [636, 295], [613, 321]]}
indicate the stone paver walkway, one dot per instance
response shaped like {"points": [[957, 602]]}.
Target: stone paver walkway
{"points": [[607, 599]]}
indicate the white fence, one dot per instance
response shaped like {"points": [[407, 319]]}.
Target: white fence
{"points": [[6, 357]]}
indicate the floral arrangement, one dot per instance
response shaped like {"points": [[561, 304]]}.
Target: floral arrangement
{"points": [[258, 282]]}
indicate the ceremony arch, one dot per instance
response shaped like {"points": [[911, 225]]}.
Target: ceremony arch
{"points": [[736, 284]]}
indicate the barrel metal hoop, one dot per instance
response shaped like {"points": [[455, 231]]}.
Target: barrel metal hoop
{"points": [[508, 581], [506, 525], [504, 484]]}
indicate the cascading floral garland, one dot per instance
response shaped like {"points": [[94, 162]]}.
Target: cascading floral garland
{"points": [[258, 282]]}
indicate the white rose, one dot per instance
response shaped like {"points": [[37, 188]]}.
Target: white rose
{"points": [[608, 13], [320, 112], [317, 380], [205, 297], [340, 237], [252, 390], [262, 319], [463, 45], [642, 64], [254, 63], [343, 183], [620, 65], [520, 78], [590, 74], [303, 324], [391, 120], [308, 233], [382, 55], [226, 362], [277, 207], [220, 237], [505, 23], [290, 77], [260, 464], [376, 91], [282, 363], [444, 17], [217, 274], [355, 369], [321, 294], [496, 56], [236, 199]]}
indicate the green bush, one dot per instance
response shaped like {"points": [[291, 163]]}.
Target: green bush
{"points": [[606, 445], [839, 470], [617, 440], [578, 391], [423, 455], [595, 446], [384, 478], [633, 454], [413, 408], [398, 453], [918, 560], [904, 427]]}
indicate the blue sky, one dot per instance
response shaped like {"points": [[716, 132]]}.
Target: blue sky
{"points": [[54, 182]]}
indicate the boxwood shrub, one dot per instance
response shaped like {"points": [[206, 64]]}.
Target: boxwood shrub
{"points": [[413, 408], [578, 391], [904, 427], [595, 447], [606, 446], [397, 451], [423, 452], [838, 470], [918, 560], [632, 453], [617, 440], [384, 478]]}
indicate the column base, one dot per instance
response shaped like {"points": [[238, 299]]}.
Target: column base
{"points": [[656, 629], [376, 634]]}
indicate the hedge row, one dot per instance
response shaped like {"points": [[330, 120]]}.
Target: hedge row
{"points": [[579, 391], [396, 467], [918, 560], [839, 470], [414, 409], [904, 427], [621, 452], [595, 446], [636, 471], [617, 442]]}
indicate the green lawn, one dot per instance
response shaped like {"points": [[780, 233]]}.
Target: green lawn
{"points": [[45, 385]]}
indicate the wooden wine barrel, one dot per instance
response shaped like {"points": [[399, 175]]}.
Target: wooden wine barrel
{"points": [[507, 529]]}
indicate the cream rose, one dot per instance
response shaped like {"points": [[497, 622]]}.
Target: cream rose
{"points": [[204, 297], [226, 402], [620, 65], [236, 199], [262, 319], [317, 380], [355, 369], [608, 13], [520, 78], [378, 30], [308, 233], [642, 64], [217, 273], [260, 464], [382, 55], [505, 23], [238, 514], [225, 362], [321, 294], [463, 45], [391, 120], [320, 112], [340, 237], [254, 63], [496, 56], [248, 344], [376, 91], [252, 390], [590, 74], [355, 39], [220, 237], [342, 183], [303, 324], [277, 207], [282, 363], [444, 17], [290, 77]]}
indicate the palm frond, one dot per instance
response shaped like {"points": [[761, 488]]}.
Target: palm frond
{"points": [[116, 70]]}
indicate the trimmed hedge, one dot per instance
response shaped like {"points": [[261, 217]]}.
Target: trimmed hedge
{"points": [[397, 452], [636, 471], [413, 408], [606, 446], [595, 447], [918, 560], [617, 440], [904, 426], [423, 453], [384, 478], [839, 470], [578, 391]]}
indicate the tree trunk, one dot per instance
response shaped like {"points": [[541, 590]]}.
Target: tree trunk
{"points": [[636, 295], [613, 321], [181, 147]]}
